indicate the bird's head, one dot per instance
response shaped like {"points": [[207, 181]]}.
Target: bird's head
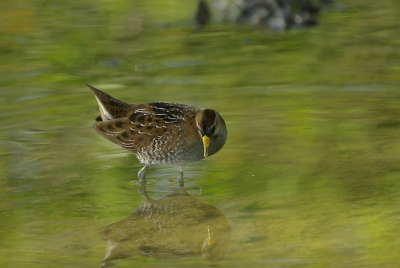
{"points": [[212, 130]]}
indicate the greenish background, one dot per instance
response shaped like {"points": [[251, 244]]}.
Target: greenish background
{"points": [[309, 176]]}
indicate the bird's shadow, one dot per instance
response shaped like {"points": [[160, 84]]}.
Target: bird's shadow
{"points": [[176, 226]]}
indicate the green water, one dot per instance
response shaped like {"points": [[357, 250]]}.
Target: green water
{"points": [[309, 176]]}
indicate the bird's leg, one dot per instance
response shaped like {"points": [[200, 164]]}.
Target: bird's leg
{"points": [[142, 190], [181, 184], [180, 178], [142, 173]]}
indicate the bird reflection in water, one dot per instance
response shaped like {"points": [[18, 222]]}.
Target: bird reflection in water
{"points": [[176, 226]]}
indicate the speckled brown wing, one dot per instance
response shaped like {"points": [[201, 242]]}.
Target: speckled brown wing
{"points": [[116, 130], [145, 123]]}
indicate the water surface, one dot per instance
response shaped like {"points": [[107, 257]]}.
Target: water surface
{"points": [[308, 176]]}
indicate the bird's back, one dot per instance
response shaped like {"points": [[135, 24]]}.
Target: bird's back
{"points": [[154, 131]]}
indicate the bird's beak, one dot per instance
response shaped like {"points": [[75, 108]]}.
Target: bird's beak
{"points": [[206, 143], [209, 238]]}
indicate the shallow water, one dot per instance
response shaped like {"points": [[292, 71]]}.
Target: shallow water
{"points": [[308, 176]]}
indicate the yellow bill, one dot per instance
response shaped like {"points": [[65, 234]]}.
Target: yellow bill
{"points": [[206, 143], [210, 241]]}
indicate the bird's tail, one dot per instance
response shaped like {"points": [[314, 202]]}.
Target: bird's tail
{"points": [[110, 108]]}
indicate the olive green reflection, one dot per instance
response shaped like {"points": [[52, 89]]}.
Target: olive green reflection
{"points": [[176, 226]]}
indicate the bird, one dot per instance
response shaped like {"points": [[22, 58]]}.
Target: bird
{"points": [[178, 225], [160, 132]]}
